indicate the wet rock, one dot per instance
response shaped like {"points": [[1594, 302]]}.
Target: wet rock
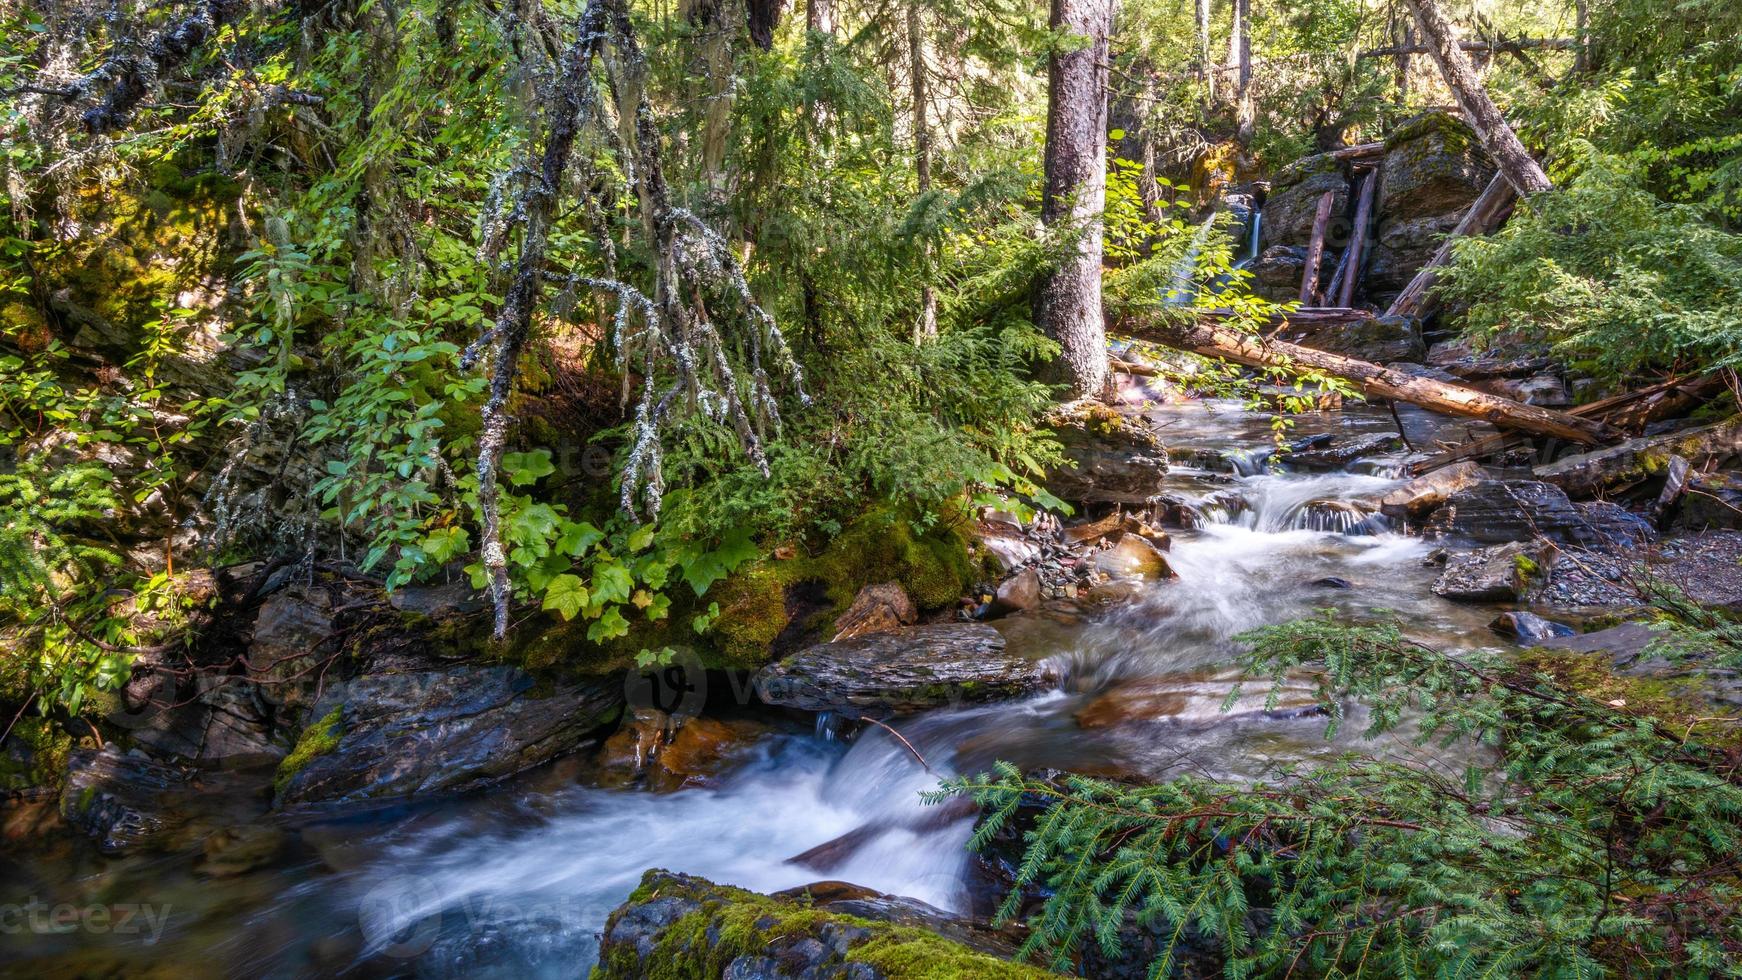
{"points": [[1502, 573], [123, 801], [1420, 496], [1332, 582], [1636, 460], [1711, 501], [1353, 517], [884, 606], [1343, 452], [1135, 556], [676, 752], [415, 732], [1017, 593], [680, 925], [1528, 627], [903, 670], [1277, 271], [1501, 511], [1197, 698], [1119, 458], [228, 721]]}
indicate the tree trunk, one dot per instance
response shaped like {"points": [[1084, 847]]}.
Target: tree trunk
{"points": [[762, 17], [1417, 299], [1499, 139], [1241, 46], [1453, 399], [1309, 273], [819, 16], [1069, 302], [1206, 75], [1358, 243], [927, 326]]}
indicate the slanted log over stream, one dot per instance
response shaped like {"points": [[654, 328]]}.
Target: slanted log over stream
{"points": [[1209, 338]]}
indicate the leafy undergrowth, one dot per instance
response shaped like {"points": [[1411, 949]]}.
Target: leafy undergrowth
{"points": [[1599, 835]]}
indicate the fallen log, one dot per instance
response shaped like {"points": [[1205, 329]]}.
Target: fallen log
{"points": [[1373, 379], [1634, 461], [1630, 411], [1485, 215]]}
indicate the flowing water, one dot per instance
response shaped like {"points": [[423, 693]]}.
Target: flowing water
{"points": [[517, 881]]}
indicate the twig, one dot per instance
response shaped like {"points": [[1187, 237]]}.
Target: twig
{"points": [[923, 764]]}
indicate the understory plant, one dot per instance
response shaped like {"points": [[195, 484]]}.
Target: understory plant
{"points": [[1589, 837]]}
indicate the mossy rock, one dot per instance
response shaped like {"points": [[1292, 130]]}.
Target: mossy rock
{"points": [[678, 927]]}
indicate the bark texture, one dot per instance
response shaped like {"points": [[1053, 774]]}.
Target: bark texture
{"points": [[1069, 304], [928, 299], [1520, 168]]}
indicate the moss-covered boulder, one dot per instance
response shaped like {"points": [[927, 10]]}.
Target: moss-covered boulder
{"points": [[1293, 202], [677, 927], [1434, 169]]}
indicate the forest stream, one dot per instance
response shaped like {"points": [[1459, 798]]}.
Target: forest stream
{"points": [[518, 881]]}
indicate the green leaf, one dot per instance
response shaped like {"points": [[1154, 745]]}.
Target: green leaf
{"points": [[610, 626], [526, 468], [567, 595]]}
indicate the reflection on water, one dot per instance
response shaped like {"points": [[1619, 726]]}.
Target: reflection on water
{"points": [[517, 881]]}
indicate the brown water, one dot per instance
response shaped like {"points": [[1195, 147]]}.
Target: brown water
{"points": [[516, 881]]}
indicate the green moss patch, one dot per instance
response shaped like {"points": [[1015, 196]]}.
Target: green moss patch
{"points": [[727, 923], [316, 740]]}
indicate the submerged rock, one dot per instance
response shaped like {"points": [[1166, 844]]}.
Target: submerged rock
{"points": [[903, 670], [400, 734], [1134, 555], [680, 926], [1198, 698], [122, 801], [1498, 574], [1341, 453]]}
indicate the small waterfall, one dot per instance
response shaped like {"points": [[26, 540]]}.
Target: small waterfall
{"points": [[827, 726], [1257, 229]]}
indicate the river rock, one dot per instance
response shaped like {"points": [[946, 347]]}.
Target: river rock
{"points": [[1007, 544], [1623, 644], [1092, 531], [846, 898], [1417, 498], [1499, 574], [1636, 460], [909, 669], [1293, 201], [1197, 698], [680, 925], [1135, 556], [1018, 593], [673, 752], [415, 732], [1528, 627], [1501, 511], [1119, 457], [884, 606]]}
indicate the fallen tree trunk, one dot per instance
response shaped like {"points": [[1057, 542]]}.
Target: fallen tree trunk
{"points": [[1417, 299], [1636, 460], [1345, 293], [1373, 379], [1629, 411], [1309, 278]]}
